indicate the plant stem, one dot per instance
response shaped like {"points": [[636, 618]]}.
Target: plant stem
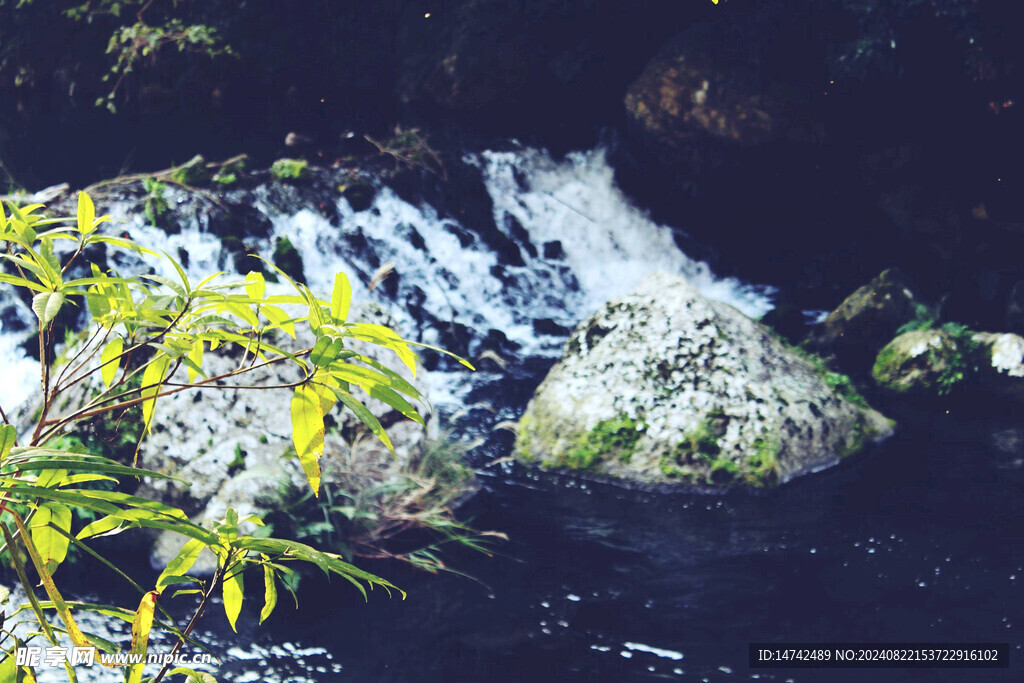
{"points": [[217, 576]]}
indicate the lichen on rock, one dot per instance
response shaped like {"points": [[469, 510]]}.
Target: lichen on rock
{"points": [[664, 385]]}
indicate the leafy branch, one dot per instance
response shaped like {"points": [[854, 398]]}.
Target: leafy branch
{"points": [[150, 336]]}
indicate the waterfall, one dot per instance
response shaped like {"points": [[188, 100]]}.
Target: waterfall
{"points": [[564, 240]]}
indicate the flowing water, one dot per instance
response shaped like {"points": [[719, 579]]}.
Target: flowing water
{"points": [[916, 541]]}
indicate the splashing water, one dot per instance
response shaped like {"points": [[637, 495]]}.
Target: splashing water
{"points": [[567, 240]]}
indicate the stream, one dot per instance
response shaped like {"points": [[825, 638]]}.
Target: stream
{"points": [[916, 540]]}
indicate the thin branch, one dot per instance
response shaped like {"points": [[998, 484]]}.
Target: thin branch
{"points": [[217, 576], [85, 347], [205, 384]]}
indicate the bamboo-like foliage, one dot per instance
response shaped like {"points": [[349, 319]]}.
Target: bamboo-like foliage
{"points": [[144, 330]]}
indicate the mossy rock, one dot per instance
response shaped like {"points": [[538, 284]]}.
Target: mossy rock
{"points": [[193, 172], [359, 194], [287, 258], [919, 363], [667, 386], [867, 319], [290, 170]]}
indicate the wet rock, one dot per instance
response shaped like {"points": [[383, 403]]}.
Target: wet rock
{"points": [[935, 362], [921, 363], [664, 385], [287, 258], [549, 326], [553, 250], [238, 219], [868, 319], [1000, 363], [1015, 309], [699, 87], [359, 194]]}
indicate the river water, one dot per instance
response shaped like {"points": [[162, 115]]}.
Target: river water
{"points": [[918, 540]]}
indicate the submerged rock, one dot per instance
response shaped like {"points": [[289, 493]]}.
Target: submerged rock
{"points": [[664, 385]]}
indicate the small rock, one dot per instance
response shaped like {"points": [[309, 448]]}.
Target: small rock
{"points": [[869, 318]]}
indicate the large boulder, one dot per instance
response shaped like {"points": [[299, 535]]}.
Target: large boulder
{"points": [[708, 90], [694, 88], [665, 385], [868, 319]]}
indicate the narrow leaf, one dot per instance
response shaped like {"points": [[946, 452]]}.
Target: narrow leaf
{"points": [[255, 285], [110, 360], [367, 418], [308, 432], [141, 627], [51, 544], [269, 592], [181, 563], [341, 298], [233, 597], [152, 377], [77, 637]]}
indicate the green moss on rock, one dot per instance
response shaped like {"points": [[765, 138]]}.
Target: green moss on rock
{"points": [[926, 362], [287, 258], [762, 468], [608, 439], [192, 173], [289, 170]]}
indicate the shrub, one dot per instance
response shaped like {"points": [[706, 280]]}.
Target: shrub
{"points": [[148, 339]]}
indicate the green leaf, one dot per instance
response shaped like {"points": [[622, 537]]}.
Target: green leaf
{"points": [[76, 635], [385, 336], [255, 285], [326, 351], [47, 305], [86, 214], [51, 544], [181, 563], [8, 437], [21, 282], [141, 626], [341, 298], [152, 377], [58, 460], [279, 319], [233, 592], [308, 432], [110, 360], [367, 418], [193, 676], [269, 592]]}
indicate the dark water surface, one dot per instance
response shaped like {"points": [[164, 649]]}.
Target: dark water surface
{"points": [[917, 541]]}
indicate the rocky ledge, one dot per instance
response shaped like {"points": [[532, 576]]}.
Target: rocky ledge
{"points": [[664, 385]]}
